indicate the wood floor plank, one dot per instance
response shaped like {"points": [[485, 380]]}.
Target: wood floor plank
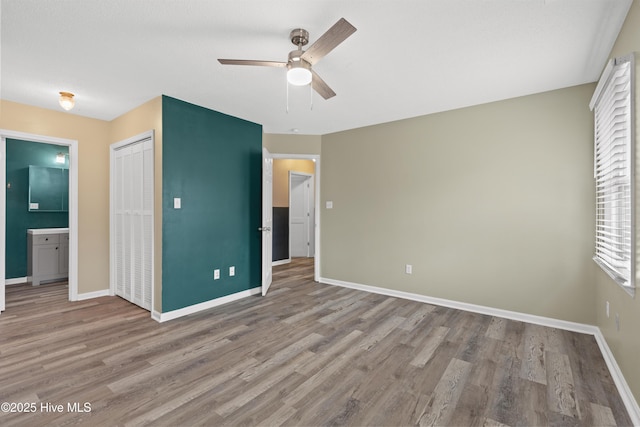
{"points": [[306, 354], [436, 336], [561, 390], [283, 356], [602, 415], [533, 362], [417, 316], [446, 394], [326, 357], [497, 328], [469, 406]]}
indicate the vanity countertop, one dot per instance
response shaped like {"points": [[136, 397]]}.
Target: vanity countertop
{"points": [[47, 230]]}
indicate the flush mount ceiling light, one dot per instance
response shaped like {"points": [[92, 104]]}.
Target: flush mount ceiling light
{"points": [[66, 100]]}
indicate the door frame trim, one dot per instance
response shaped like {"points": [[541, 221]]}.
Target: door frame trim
{"points": [[73, 202], [316, 172]]}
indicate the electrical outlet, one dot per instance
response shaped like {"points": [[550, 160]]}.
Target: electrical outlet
{"points": [[216, 274], [408, 268], [617, 322], [607, 309], [232, 271]]}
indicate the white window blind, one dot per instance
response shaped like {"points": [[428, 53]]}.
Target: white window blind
{"points": [[614, 172]]}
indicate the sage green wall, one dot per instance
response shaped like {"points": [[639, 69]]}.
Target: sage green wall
{"points": [[213, 163], [492, 205], [625, 344], [20, 155], [292, 143]]}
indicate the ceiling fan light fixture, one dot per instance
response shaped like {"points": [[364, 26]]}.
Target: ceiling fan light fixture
{"points": [[298, 75], [299, 70], [66, 100]]}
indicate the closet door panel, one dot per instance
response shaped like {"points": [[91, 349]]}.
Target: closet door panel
{"points": [[133, 222], [127, 234], [136, 220], [118, 221]]}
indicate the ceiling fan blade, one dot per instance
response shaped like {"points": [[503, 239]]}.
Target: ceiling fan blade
{"points": [[252, 62], [321, 87], [328, 41]]}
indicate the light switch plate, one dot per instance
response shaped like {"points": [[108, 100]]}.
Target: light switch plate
{"points": [[232, 271], [177, 203], [34, 206], [329, 204]]}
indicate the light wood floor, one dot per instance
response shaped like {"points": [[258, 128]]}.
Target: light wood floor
{"points": [[307, 354]]}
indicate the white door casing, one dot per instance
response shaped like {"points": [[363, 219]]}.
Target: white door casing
{"points": [[73, 205], [267, 220], [316, 223]]}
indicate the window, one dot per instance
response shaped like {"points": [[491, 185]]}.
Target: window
{"points": [[612, 104]]}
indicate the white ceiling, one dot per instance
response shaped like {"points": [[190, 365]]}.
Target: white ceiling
{"points": [[407, 58]]}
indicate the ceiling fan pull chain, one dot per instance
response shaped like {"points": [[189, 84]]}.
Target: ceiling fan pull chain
{"points": [[287, 83], [311, 97]]}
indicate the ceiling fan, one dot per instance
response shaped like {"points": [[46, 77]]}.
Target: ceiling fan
{"points": [[300, 62]]}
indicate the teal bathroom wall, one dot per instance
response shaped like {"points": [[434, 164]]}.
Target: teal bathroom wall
{"points": [[212, 162], [21, 154]]}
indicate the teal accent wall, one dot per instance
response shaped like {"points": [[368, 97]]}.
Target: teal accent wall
{"points": [[213, 162], [21, 154]]}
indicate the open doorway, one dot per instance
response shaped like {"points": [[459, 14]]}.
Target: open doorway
{"points": [[296, 227], [69, 150]]}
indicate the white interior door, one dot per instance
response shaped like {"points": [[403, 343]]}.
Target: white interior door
{"points": [[301, 215], [132, 219], [267, 220]]}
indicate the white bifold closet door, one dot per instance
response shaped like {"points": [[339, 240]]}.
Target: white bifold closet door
{"points": [[133, 222]]}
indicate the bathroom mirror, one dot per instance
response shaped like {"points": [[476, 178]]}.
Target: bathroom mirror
{"points": [[48, 189]]}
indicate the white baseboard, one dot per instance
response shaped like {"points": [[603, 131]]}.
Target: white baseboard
{"points": [[174, 314], [623, 388], [281, 262], [15, 281], [490, 311], [621, 384], [96, 294]]}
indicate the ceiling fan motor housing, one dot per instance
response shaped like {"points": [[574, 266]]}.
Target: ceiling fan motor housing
{"points": [[296, 61], [296, 64], [299, 37]]}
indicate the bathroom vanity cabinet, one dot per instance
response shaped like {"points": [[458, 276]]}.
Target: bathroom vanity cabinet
{"points": [[47, 254]]}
